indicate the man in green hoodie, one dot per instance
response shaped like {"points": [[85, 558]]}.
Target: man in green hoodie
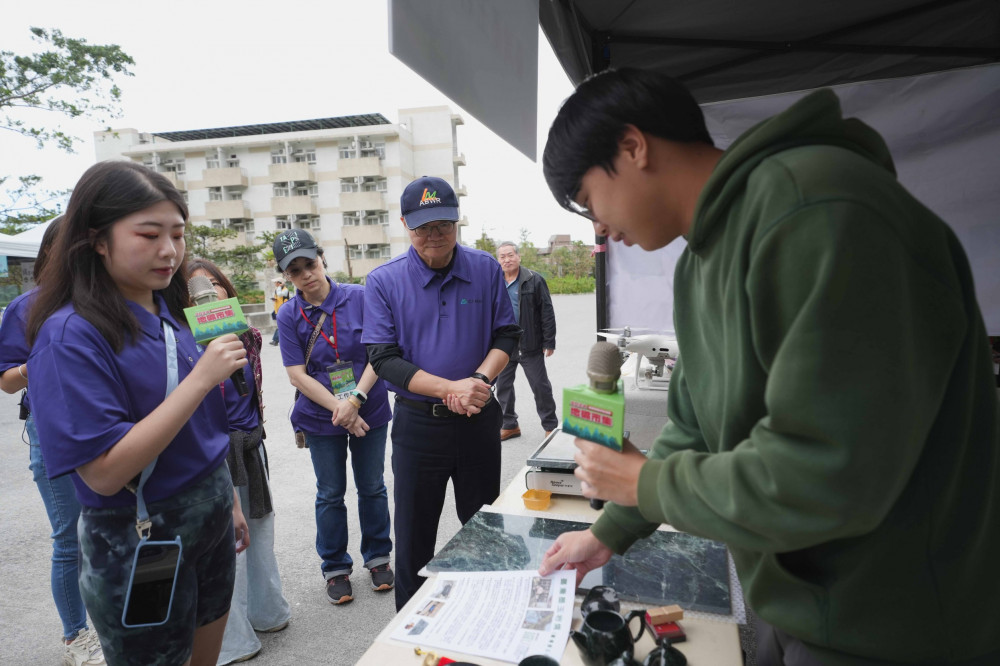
{"points": [[833, 417]]}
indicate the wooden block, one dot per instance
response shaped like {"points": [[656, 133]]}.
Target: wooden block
{"points": [[665, 614]]}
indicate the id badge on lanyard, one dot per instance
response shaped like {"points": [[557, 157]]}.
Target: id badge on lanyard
{"points": [[341, 378]]}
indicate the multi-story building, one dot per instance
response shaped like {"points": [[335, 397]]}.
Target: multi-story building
{"points": [[340, 178]]}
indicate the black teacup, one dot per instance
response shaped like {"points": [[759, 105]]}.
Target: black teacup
{"points": [[605, 636]]}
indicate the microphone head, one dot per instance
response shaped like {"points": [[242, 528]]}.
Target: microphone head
{"points": [[201, 290], [604, 367]]}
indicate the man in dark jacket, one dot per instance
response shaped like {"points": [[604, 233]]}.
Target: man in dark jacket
{"points": [[533, 309]]}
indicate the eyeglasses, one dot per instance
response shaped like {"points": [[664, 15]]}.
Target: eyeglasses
{"points": [[443, 228], [296, 271], [572, 206]]}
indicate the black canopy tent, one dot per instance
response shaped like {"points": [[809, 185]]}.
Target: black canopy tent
{"points": [[726, 49]]}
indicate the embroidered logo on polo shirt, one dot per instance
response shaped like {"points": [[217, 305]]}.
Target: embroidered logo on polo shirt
{"points": [[466, 301], [429, 197]]}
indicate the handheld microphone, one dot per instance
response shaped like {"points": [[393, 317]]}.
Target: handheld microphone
{"points": [[210, 318], [596, 411]]}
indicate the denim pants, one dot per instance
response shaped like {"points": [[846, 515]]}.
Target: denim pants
{"points": [[59, 497], [329, 458], [258, 603]]}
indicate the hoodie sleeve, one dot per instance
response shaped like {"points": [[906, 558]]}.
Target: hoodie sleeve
{"points": [[858, 333], [620, 526]]}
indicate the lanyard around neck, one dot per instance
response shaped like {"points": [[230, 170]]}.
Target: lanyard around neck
{"points": [[333, 327], [142, 523]]}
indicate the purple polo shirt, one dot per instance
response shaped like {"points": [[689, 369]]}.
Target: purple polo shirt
{"points": [[87, 397], [347, 303], [242, 414], [444, 325], [13, 345]]}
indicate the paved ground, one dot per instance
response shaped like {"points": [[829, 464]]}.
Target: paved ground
{"points": [[319, 632]]}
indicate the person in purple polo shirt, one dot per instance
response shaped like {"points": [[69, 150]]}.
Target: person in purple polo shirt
{"points": [[107, 333], [343, 405], [439, 328], [82, 647]]}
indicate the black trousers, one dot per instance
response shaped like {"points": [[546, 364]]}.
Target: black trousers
{"points": [[427, 451], [538, 380]]}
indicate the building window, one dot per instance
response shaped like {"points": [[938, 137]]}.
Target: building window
{"points": [[233, 161], [250, 237], [307, 190], [348, 185], [306, 155], [351, 219], [373, 218], [278, 156], [215, 194], [346, 151], [314, 223], [375, 185], [282, 223], [371, 148], [234, 195], [212, 162], [280, 191], [377, 251], [216, 224], [357, 252]]}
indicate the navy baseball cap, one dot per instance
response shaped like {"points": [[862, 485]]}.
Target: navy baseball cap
{"points": [[290, 245], [428, 199]]}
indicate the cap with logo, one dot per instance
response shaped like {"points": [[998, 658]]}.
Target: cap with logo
{"points": [[290, 245], [428, 199]]}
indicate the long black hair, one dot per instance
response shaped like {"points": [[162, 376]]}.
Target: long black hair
{"points": [[45, 248], [107, 192]]}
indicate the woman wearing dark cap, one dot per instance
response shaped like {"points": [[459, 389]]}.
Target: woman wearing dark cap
{"points": [[343, 406]]}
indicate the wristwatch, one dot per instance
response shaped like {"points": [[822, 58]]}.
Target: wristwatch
{"points": [[360, 395]]}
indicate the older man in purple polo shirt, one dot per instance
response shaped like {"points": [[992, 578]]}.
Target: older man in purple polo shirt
{"points": [[439, 328]]}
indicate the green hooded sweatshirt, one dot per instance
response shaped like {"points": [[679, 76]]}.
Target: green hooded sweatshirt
{"points": [[833, 415]]}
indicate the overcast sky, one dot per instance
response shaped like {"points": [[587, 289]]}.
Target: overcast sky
{"points": [[217, 63]]}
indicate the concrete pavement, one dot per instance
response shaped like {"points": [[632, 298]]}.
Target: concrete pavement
{"points": [[319, 633]]}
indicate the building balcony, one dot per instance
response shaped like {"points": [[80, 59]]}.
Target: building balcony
{"points": [[354, 167], [362, 201], [458, 159], [463, 222], [225, 177], [301, 205], [365, 234], [361, 267], [219, 210], [175, 180], [293, 171]]}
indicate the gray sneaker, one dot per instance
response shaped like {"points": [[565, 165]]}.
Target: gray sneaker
{"points": [[85, 650], [382, 578], [339, 590]]}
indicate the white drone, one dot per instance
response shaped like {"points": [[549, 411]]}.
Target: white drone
{"points": [[655, 348]]}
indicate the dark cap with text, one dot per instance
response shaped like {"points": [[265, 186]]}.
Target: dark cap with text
{"points": [[290, 245], [428, 199]]}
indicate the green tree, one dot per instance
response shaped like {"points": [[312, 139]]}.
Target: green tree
{"points": [[486, 244], [68, 78], [207, 242], [530, 258], [27, 203]]}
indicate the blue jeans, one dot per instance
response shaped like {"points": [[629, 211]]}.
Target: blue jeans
{"points": [[329, 458], [63, 509]]}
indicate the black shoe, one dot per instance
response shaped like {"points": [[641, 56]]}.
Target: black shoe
{"points": [[382, 578], [339, 589], [273, 343]]}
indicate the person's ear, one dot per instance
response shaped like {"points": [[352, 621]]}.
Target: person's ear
{"points": [[100, 245], [634, 146]]}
